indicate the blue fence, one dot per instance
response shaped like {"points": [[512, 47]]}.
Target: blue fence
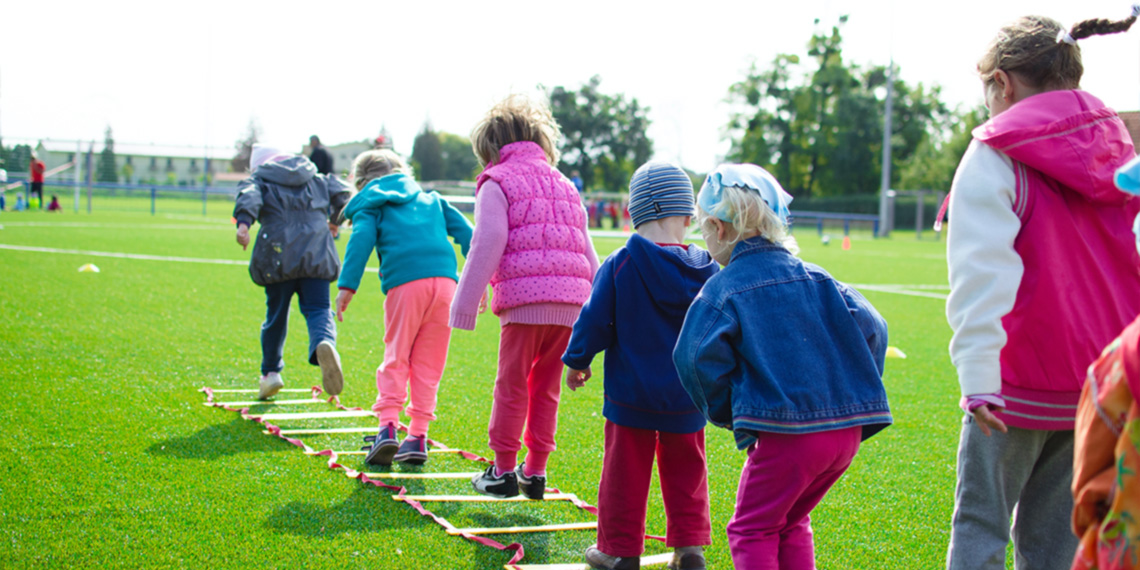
{"points": [[819, 217]]}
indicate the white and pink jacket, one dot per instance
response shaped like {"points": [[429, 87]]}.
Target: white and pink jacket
{"points": [[530, 243], [1042, 262]]}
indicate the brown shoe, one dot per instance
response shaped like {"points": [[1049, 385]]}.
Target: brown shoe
{"points": [[688, 558]]}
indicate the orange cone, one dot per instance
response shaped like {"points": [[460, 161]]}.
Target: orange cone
{"points": [[846, 243]]}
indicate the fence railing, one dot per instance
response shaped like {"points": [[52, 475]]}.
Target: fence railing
{"points": [[795, 216]]}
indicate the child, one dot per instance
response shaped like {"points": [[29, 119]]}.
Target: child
{"points": [[294, 255], [786, 357], [1042, 275], [408, 228], [1106, 465], [54, 206], [635, 311], [531, 244]]}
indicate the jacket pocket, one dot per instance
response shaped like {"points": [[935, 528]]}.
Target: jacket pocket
{"points": [[265, 264]]}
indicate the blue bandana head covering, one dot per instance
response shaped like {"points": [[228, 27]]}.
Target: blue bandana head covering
{"points": [[1128, 177], [750, 176]]}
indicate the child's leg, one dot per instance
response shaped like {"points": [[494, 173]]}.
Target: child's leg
{"points": [[313, 300], [684, 488], [518, 347], [429, 355], [544, 386], [783, 479], [623, 494], [992, 473], [278, 296], [1042, 535], [403, 315]]}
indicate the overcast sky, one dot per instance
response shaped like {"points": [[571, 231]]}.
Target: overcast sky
{"points": [[195, 73]]}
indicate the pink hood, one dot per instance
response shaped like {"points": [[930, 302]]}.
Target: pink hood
{"points": [[1082, 149]]}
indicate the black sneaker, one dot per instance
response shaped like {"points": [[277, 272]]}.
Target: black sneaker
{"points": [[534, 487], [598, 559], [504, 486], [383, 447], [413, 451]]}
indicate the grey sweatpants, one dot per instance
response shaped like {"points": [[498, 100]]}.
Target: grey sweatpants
{"points": [[1029, 469]]}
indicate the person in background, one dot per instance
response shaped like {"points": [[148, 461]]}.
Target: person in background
{"points": [[320, 156], [54, 206], [36, 170]]}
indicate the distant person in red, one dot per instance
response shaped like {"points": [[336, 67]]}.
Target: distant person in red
{"points": [[54, 206], [36, 168]]}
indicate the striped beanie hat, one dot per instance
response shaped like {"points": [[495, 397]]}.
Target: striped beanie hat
{"points": [[659, 190]]}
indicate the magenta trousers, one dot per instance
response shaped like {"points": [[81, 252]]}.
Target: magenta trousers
{"points": [[415, 351], [784, 478]]}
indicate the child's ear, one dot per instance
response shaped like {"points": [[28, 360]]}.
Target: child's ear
{"points": [[688, 222], [721, 228]]}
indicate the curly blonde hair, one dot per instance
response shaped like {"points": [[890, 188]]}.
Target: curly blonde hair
{"points": [[516, 118], [750, 215]]}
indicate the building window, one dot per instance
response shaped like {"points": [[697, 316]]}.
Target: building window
{"points": [[153, 163], [169, 164], [128, 160]]}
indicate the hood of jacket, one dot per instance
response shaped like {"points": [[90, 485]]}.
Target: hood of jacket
{"points": [[1067, 135], [390, 189], [672, 283], [293, 171]]}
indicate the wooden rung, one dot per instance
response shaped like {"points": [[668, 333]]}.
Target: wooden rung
{"points": [[402, 475], [655, 560], [479, 498], [323, 430], [254, 391], [266, 403], [314, 415], [523, 529], [362, 452]]}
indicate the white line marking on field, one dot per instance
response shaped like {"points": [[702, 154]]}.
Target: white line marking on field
{"points": [[141, 256], [903, 290], [96, 225]]}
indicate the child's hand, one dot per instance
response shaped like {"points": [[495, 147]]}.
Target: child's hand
{"points": [[483, 301], [243, 235], [576, 378], [343, 298], [986, 420], [334, 229]]}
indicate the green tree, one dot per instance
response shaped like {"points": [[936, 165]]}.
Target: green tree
{"points": [[605, 136], [459, 162], [820, 130], [19, 157], [427, 154], [937, 157], [106, 171]]}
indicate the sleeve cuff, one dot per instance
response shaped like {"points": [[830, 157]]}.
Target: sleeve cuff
{"points": [[463, 321], [980, 376], [244, 219], [349, 289]]}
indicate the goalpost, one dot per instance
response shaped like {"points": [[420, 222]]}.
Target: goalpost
{"points": [[919, 210]]}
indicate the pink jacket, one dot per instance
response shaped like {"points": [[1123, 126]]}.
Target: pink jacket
{"points": [[543, 270], [1081, 280]]}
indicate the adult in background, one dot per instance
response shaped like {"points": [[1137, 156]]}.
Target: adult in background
{"points": [[320, 157], [36, 168]]}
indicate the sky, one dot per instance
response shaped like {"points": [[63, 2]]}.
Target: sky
{"points": [[197, 73]]}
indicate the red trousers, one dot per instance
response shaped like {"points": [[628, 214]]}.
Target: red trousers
{"points": [[627, 469]]}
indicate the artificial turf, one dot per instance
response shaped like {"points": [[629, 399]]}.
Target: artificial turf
{"points": [[110, 458]]}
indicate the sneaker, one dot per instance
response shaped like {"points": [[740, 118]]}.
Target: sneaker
{"points": [[413, 450], [598, 559], [331, 376], [270, 384], [504, 486], [383, 447], [688, 558], [534, 487]]}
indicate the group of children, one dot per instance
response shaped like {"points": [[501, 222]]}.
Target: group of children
{"points": [[745, 335]]}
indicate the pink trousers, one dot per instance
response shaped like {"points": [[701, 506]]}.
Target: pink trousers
{"points": [[623, 494], [415, 351], [527, 389], [784, 478]]}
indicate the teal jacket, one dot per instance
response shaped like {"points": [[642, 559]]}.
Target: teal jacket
{"points": [[408, 228]]}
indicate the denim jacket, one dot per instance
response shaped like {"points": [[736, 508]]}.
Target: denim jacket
{"points": [[774, 344]]}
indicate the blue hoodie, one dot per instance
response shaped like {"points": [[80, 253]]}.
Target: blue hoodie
{"points": [[636, 308], [408, 228]]}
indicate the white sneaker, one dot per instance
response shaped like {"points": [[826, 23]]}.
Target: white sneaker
{"points": [[332, 378], [270, 384]]}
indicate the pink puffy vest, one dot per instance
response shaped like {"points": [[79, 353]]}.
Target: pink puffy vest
{"points": [[545, 258]]}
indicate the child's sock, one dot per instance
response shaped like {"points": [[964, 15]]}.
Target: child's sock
{"points": [[535, 463], [505, 462], [418, 427]]}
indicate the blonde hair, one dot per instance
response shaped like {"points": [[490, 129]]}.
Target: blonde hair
{"points": [[750, 215], [515, 119], [373, 164], [1031, 48]]}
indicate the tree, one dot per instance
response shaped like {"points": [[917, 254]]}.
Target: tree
{"points": [[604, 136], [244, 146], [820, 131], [459, 162], [427, 154], [106, 171], [936, 158], [19, 157]]}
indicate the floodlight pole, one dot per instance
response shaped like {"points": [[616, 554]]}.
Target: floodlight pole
{"points": [[885, 188]]}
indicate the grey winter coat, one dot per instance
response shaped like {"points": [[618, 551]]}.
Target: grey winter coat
{"points": [[294, 205]]}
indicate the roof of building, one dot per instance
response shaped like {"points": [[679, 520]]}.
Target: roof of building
{"points": [[1132, 123], [148, 150]]}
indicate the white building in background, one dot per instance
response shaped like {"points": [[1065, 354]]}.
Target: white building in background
{"points": [[166, 165]]}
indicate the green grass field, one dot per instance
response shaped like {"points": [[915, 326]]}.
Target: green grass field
{"points": [[111, 460]]}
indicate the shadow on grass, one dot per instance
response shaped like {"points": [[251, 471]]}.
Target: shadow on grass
{"points": [[219, 440], [535, 545], [366, 510]]}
